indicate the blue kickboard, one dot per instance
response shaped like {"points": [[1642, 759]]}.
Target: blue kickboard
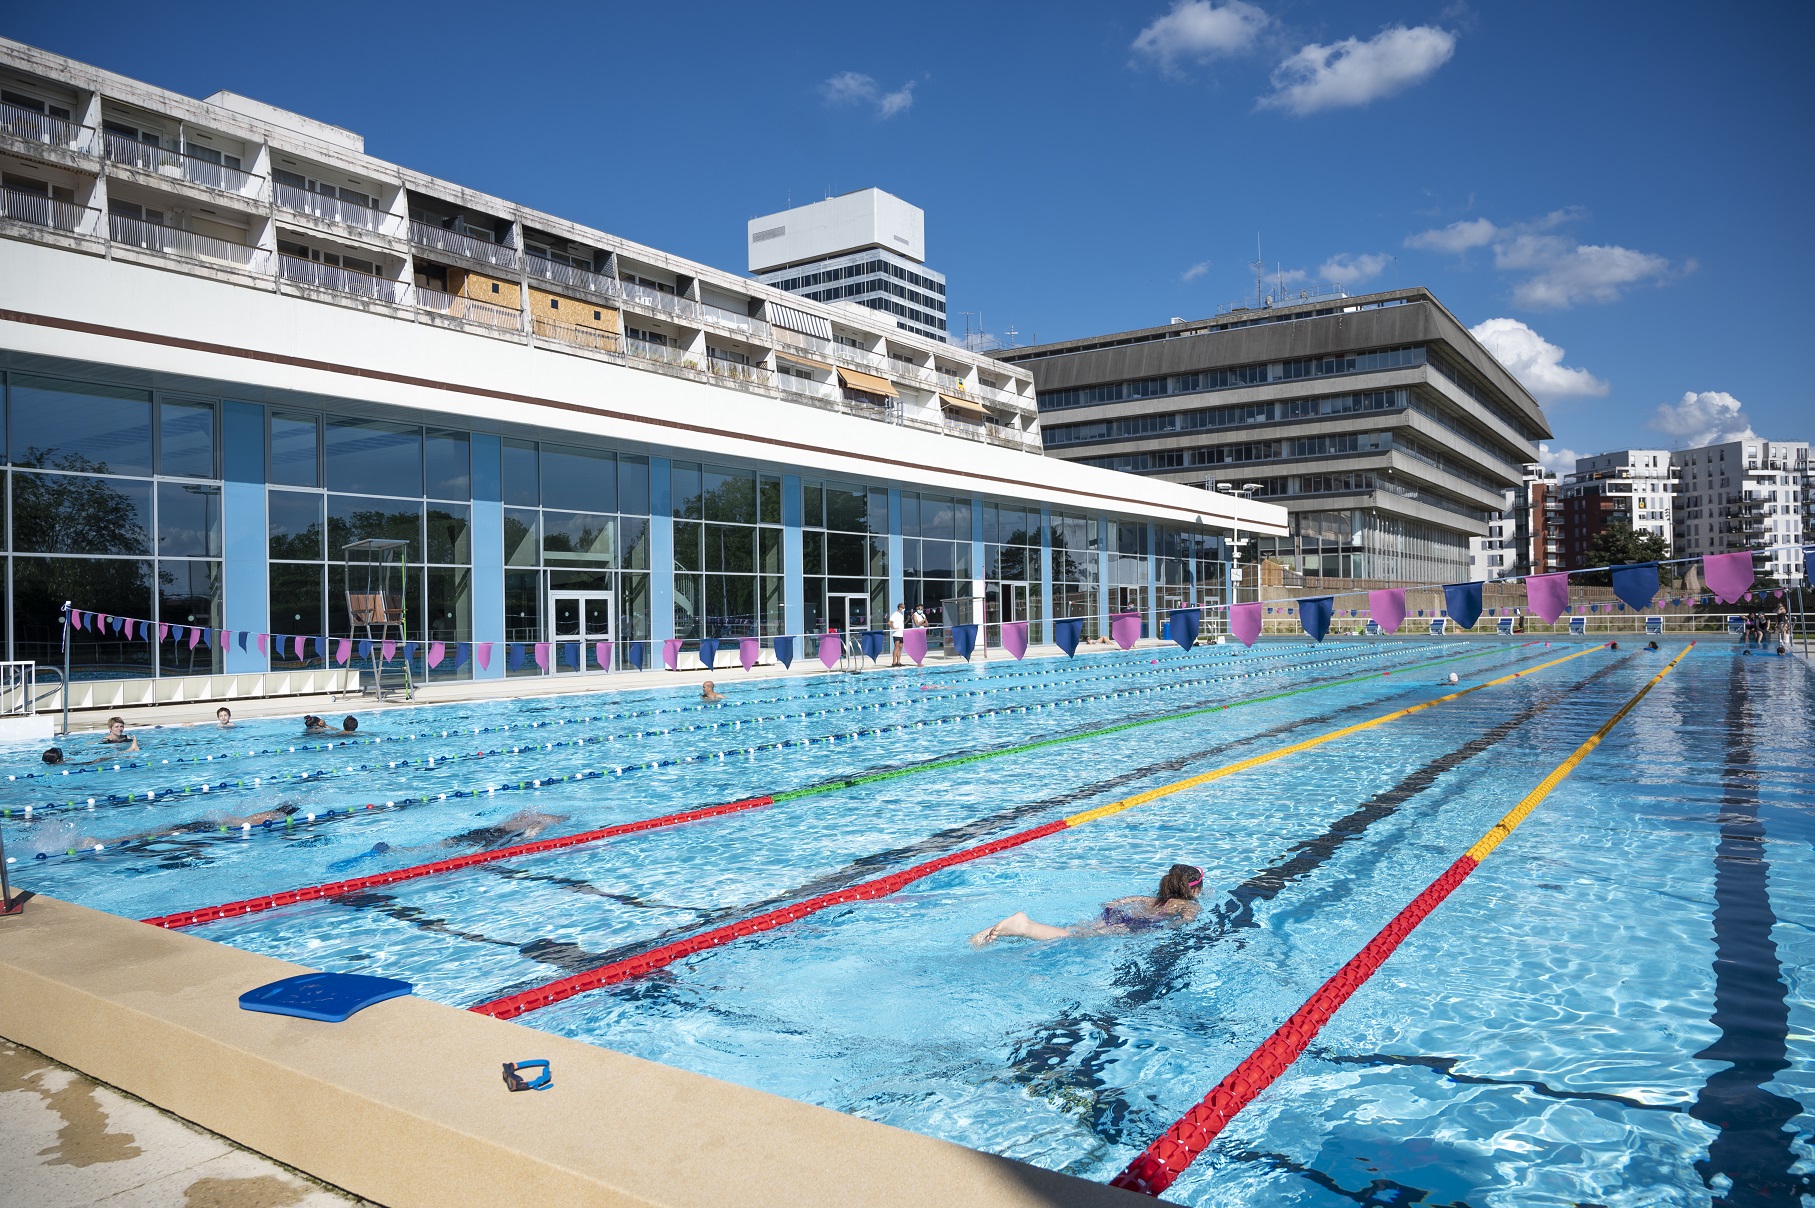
{"points": [[328, 997]]}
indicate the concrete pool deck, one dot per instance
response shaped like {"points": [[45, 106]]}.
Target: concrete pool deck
{"points": [[404, 1104]]}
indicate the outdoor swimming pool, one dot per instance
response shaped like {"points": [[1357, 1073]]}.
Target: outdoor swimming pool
{"points": [[1615, 1006]]}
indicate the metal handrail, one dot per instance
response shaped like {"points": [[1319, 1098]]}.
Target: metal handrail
{"points": [[131, 232], [41, 211], [36, 127], [567, 274], [150, 158], [462, 245], [575, 335], [457, 307], [672, 304], [332, 209], [733, 320], [303, 271]]}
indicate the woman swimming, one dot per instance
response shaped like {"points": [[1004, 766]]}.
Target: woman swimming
{"points": [[1175, 903]]}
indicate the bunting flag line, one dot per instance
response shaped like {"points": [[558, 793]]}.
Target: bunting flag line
{"points": [[541, 652], [1387, 607], [829, 650], [483, 652], [570, 653], [1014, 638], [1463, 602], [601, 651], [1125, 629], [709, 653], [1245, 622], [784, 651], [1636, 584], [964, 640], [1182, 626], [873, 642], [749, 650], [671, 653], [1314, 615], [635, 653], [1728, 576], [913, 644], [1067, 632], [1548, 595]]}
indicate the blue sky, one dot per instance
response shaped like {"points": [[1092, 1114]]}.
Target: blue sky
{"points": [[1617, 194]]}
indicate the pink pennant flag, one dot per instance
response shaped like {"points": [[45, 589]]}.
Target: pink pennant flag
{"points": [[1125, 628], [1387, 607], [100, 622], [388, 651], [602, 651], [483, 652], [748, 651], [437, 650], [224, 637], [163, 632], [542, 655], [1014, 638], [671, 654], [298, 643], [1728, 575], [913, 644], [262, 648], [829, 649], [75, 618], [343, 651], [195, 637], [1244, 622], [1548, 595]]}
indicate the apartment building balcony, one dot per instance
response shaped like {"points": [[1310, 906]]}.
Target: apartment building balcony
{"points": [[345, 281], [730, 320], [661, 354], [570, 277], [467, 310], [35, 210], [171, 165], [454, 243], [736, 371], [671, 305], [808, 388], [33, 135], [341, 217], [168, 241], [589, 339]]}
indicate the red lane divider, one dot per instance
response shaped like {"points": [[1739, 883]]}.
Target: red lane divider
{"points": [[647, 962], [211, 914], [1178, 1146]]}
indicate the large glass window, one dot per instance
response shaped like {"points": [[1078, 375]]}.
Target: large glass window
{"points": [[354, 518], [727, 552], [80, 426], [121, 587], [189, 519], [189, 593], [845, 550], [1011, 545], [295, 522], [81, 514], [295, 449], [372, 457], [1074, 570], [186, 439], [579, 480], [448, 460], [1128, 570], [935, 552]]}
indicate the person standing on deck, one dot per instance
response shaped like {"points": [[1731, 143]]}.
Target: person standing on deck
{"points": [[897, 628]]}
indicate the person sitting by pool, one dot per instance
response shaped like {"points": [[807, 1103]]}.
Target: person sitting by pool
{"points": [[223, 717], [709, 693], [1175, 903]]}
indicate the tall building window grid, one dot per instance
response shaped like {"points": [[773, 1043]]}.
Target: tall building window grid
{"points": [[845, 551], [576, 518], [332, 480], [935, 552], [1011, 563], [1188, 568], [112, 502], [1075, 573], [1232, 378], [1128, 568], [727, 552]]}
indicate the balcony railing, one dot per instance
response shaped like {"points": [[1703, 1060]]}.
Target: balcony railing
{"points": [[568, 275], [424, 235], [35, 127], [341, 280], [661, 354], [333, 209], [812, 345], [168, 162], [755, 375], [721, 317], [130, 232], [576, 337], [655, 299], [44, 212], [808, 387], [466, 309]]}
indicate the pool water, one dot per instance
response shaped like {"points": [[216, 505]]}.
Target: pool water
{"points": [[1614, 1009]]}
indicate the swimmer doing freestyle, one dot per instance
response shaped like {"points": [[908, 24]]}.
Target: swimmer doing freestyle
{"points": [[1175, 903]]}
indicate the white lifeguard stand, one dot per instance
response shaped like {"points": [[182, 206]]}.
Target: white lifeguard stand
{"points": [[378, 590]]}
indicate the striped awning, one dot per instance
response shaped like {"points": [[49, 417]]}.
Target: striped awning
{"points": [[867, 383], [807, 362], [799, 320], [965, 407]]}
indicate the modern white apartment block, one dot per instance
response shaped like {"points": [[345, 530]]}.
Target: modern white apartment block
{"points": [[866, 248], [1746, 494], [233, 344], [1638, 485]]}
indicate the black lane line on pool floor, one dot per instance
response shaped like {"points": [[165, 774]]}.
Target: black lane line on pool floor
{"points": [[1752, 1145], [1043, 1065]]}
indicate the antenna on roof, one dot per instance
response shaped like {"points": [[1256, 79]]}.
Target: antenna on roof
{"points": [[1260, 269]]}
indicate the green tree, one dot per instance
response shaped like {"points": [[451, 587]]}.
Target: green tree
{"points": [[1619, 544]]}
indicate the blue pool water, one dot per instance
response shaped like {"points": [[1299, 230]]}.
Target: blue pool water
{"points": [[1615, 1009]]}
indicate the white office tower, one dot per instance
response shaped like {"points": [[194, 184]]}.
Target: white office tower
{"points": [[1639, 482], [867, 247], [1745, 494]]}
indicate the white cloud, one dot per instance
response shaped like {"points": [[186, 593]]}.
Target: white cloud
{"points": [[1200, 30], [1557, 461], [1344, 269], [1707, 417], [1195, 271], [1561, 271], [1353, 72], [1536, 362], [855, 88]]}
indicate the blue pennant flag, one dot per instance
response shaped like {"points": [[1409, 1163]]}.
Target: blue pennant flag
{"points": [[784, 651], [243, 635], [205, 641], [513, 656], [177, 632], [1314, 614], [1066, 633], [709, 653], [1636, 584], [117, 623], [462, 652], [409, 651], [570, 654], [1183, 626], [321, 647], [365, 648], [873, 642], [1464, 603], [964, 640], [635, 653]]}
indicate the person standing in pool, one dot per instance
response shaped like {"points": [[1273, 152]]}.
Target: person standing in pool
{"points": [[223, 717], [1175, 903], [709, 693]]}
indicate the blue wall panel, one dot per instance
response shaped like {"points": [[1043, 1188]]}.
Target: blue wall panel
{"points": [[245, 587], [488, 551]]}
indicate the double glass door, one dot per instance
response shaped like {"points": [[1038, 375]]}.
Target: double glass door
{"points": [[583, 619]]}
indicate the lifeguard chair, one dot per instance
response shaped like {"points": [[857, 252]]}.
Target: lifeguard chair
{"points": [[378, 588]]}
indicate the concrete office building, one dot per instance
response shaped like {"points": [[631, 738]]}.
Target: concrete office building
{"points": [[1746, 494], [1385, 429], [1630, 487], [867, 248], [232, 343]]}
